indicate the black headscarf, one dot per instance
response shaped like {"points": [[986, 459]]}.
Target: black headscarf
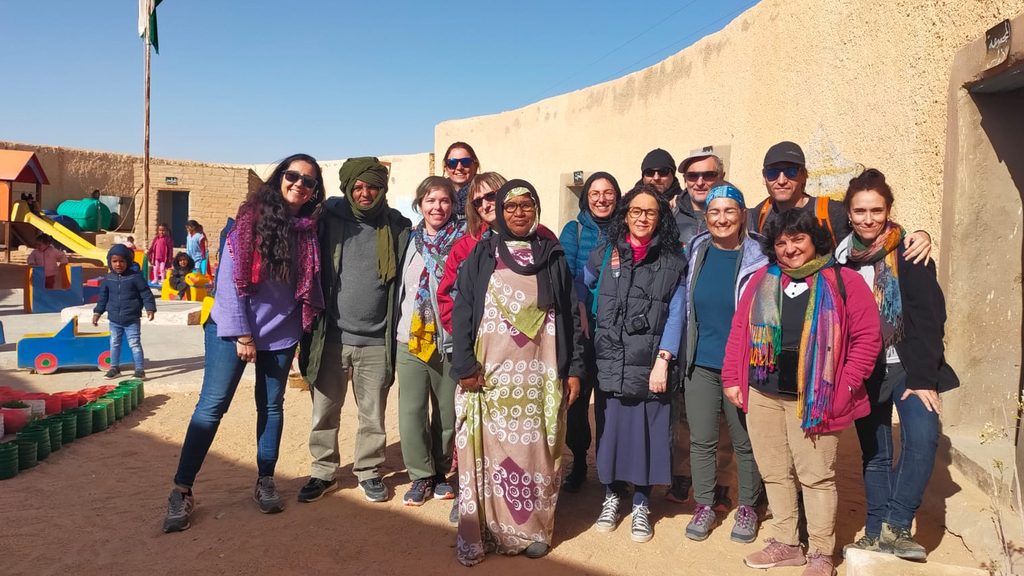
{"points": [[585, 202], [544, 249]]}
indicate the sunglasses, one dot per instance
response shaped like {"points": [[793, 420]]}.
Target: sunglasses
{"points": [[527, 206], [292, 177], [694, 176], [452, 163], [650, 172], [489, 197], [772, 174]]}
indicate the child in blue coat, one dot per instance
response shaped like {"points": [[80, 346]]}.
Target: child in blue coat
{"points": [[123, 295]]}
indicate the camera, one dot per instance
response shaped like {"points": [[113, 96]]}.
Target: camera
{"points": [[637, 324]]}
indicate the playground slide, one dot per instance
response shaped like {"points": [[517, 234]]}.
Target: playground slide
{"points": [[60, 233]]}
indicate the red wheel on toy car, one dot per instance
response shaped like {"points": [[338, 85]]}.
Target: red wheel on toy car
{"points": [[104, 360], [45, 363]]}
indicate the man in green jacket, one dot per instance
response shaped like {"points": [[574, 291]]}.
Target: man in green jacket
{"points": [[361, 242]]}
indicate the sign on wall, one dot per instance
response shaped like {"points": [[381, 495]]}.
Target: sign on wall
{"points": [[997, 44]]}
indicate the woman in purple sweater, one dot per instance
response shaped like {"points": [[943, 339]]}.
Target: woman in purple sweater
{"points": [[269, 292]]}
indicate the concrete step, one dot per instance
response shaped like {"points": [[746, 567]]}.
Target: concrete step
{"points": [[864, 563], [168, 313]]}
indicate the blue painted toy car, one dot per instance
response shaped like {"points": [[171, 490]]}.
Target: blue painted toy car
{"points": [[44, 353]]}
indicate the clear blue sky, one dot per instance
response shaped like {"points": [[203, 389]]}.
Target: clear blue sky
{"points": [[255, 80]]}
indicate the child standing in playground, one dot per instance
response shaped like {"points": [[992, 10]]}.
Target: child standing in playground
{"points": [[161, 250], [123, 295], [130, 243], [49, 257], [196, 244]]}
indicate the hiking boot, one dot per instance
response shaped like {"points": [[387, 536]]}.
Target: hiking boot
{"points": [[865, 543], [453, 516], [723, 502], [112, 374], [640, 529], [179, 507], [418, 492], [537, 550], [574, 480], [680, 489], [745, 529], [609, 517], [897, 540], [700, 525], [442, 489], [265, 494], [374, 489], [776, 554], [316, 488], [139, 375], [819, 565]]}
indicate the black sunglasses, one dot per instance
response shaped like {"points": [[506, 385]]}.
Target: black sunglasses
{"points": [[452, 163], [292, 177], [694, 176], [650, 172], [479, 202], [772, 174]]}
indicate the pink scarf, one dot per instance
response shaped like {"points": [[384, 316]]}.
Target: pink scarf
{"points": [[639, 250]]}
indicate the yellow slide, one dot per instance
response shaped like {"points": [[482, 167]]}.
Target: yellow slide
{"points": [[60, 233]]}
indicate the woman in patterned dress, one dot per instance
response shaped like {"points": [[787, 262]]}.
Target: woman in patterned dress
{"points": [[518, 358]]}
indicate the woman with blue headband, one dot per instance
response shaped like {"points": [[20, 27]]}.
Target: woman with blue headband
{"points": [[722, 260]]}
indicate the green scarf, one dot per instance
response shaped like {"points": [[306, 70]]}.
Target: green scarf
{"points": [[370, 170]]}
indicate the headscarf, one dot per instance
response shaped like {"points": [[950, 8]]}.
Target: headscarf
{"points": [[242, 243], [882, 253], [370, 170], [819, 339], [434, 251], [585, 201], [543, 249], [725, 191]]}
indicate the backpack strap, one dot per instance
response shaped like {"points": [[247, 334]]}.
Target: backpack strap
{"points": [[821, 213], [763, 215], [579, 233], [840, 284], [597, 288]]}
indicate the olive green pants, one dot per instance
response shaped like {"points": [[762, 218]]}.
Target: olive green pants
{"points": [[426, 413]]}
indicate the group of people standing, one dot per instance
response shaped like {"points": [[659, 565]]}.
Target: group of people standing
{"points": [[668, 305]]}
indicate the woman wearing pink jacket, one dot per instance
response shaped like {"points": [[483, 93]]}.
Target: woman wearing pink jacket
{"points": [[804, 337]]}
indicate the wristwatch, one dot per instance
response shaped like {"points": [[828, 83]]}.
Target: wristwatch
{"points": [[666, 356]]}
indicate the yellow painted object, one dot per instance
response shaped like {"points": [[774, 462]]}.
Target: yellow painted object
{"points": [[204, 314], [196, 283], [60, 233]]}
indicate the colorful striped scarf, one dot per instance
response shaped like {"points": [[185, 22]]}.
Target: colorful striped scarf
{"points": [[434, 251], [819, 339], [882, 253]]}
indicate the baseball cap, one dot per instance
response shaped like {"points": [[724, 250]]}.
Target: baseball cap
{"points": [[705, 152], [785, 152]]}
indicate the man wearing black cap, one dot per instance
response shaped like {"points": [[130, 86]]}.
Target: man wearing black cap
{"points": [[659, 170], [785, 177]]}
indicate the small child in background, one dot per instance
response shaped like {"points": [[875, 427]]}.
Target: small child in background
{"points": [[49, 257], [196, 243], [161, 251], [183, 266], [123, 295], [130, 243]]}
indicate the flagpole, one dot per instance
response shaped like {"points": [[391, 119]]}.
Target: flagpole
{"points": [[145, 151]]}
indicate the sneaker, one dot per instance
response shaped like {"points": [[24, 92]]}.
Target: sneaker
{"points": [[609, 517], [139, 374], [536, 550], [897, 540], [417, 493], [776, 554], [680, 489], [265, 494], [574, 480], [316, 488], [112, 374], [374, 489], [865, 543], [700, 525], [453, 516], [640, 530], [442, 489], [723, 502], [819, 565], [179, 508], [745, 529]]}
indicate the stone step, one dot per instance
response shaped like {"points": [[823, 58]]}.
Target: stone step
{"points": [[168, 313], [864, 563]]}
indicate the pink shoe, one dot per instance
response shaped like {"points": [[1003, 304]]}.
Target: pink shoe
{"points": [[776, 554]]}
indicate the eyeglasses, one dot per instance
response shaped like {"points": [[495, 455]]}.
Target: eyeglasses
{"points": [[598, 194], [527, 206], [635, 213], [650, 172], [292, 177], [694, 176], [489, 197], [772, 174], [452, 163]]}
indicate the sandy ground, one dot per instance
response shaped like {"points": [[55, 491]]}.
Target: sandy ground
{"points": [[96, 506]]}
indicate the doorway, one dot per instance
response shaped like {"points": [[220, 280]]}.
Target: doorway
{"points": [[174, 213]]}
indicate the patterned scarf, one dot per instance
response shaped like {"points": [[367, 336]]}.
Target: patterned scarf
{"points": [[242, 243], [819, 339], [434, 251], [882, 253]]}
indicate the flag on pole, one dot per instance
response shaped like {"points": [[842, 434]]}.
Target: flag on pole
{"points": [[147, 21]]}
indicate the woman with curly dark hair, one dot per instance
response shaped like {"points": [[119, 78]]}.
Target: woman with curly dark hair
{"points": [[637, 311], [272, 258]]}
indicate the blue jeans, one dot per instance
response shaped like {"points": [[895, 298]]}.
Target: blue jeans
{"points": [[221, 375], [134, 333], [894, 494]]}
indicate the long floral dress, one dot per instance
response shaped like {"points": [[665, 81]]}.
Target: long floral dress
{"points": [[511, 433]]}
